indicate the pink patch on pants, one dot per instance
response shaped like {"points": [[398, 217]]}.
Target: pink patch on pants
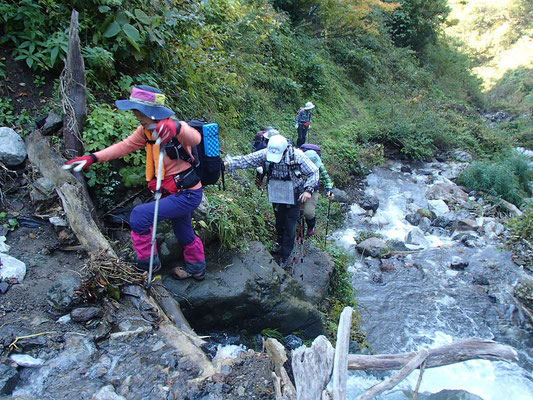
{"points": [[142, 244], [193, 252]]}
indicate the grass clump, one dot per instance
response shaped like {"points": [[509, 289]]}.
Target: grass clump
{"points": [[507, 176], [341, 294]]}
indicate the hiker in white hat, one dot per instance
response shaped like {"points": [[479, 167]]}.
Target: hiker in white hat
{"points": [[303, 121], [292, 178]]}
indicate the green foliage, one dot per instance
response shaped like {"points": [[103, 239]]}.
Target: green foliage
{"points": [[417, 23], [341, 294], [8, 223], [272, 333], [31, 32], [507, 176], [104, 127], [522, 226], [7, 118], [239, 217]]}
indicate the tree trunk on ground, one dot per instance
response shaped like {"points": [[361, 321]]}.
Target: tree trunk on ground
{"points": [[75, 204]]}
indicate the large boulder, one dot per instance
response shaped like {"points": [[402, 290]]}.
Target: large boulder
{"points": [[12, 148], [249, 291], [447, 191]]}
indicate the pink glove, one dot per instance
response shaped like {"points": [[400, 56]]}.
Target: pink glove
{"points": [[166, 129], [80, 163]]}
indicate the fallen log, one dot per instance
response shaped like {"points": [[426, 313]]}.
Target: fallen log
{"points": [[462, 350], [414, 363], [70, 191]]}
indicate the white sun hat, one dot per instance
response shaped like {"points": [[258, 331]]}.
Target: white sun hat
{"points": [[275, 148], [270, 132], [309, 106]]}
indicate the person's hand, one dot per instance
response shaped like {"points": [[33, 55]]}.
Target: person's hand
{"points": [[304, 197], [165, 130], [331, 196], [80, 163]]}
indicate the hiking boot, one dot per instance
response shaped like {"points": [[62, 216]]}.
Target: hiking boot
{"points": [[310, 232]]}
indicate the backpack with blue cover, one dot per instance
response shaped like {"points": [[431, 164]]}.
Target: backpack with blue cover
{"points": [[207, 161]]}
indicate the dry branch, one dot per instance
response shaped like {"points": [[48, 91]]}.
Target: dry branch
{"points": [[462, 350]]}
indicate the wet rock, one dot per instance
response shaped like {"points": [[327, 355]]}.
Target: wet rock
{"points": [[450, 395], [369, 202], [444, 221], [4, 287], [439, 207], [84, 314], [465, 224], [447, 192], [62, 296], [4, 248], [341, 196], [292, 342], [107, 393], [373, 247], [480, 280], [398, 245], [386, 265], [52, 124], [251, 290], [406, 168], [11, 269], [416, 237], [424, 224], [12, 147], [413, 219], [9, 378], [458, 264]]}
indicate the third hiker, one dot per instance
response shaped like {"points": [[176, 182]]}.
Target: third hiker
{"points": [[303, 121]]}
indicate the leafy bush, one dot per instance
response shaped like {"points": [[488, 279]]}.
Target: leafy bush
{"points": [[507, 176]]}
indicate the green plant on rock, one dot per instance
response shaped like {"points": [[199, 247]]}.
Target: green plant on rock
{"points": [[8, 223]]}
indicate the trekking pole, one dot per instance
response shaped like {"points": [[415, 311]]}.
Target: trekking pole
{"points": [[327, 222], [156, 210]]}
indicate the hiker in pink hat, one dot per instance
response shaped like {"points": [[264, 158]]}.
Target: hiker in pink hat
{"points": [[181, 187]]}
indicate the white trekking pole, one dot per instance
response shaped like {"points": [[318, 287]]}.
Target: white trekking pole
{"points": [[156, 210]]}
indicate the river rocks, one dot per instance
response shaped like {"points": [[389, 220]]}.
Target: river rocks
{"points": [[340, 196], [43, 191], [11, 269], [61, 295], [416, 237], [439, 207], [369, 202], [447, 192], [251, 291], [465, 224], [9, 378], [25, 360], [107, 393], [373, 247], [450, 395], [458, 264], [84, 314], [12, 148]]}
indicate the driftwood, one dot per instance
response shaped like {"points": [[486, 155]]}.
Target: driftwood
{"points": [[375, 390], [77, 209], [312, 368], [340, 365], [462, 350], [283, 386]]}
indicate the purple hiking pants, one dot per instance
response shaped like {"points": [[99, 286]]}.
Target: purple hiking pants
{"points": [[177, 208]]}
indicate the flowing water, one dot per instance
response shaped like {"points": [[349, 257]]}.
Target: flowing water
{"points": [[420, 301]]}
